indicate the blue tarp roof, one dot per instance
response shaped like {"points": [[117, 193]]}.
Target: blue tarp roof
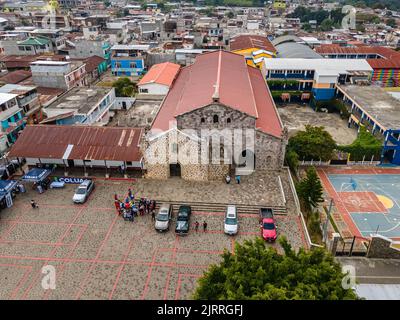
{"points": [[36, 175], [7, 185]]}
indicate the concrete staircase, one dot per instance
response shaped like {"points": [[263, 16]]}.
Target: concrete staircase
{"points": [[221, 207]]}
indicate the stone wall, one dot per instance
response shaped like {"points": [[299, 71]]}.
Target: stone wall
{"points": [[382, 248], [193, 120]]}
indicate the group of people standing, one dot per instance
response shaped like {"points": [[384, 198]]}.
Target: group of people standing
{"points": [[131, 207]]}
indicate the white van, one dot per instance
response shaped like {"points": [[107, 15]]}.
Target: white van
{"points": [[231, 222]]}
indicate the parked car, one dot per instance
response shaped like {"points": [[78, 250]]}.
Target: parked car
{"points": [[183, 220], [83, 191], [231, 223], [268, 225], [163, 218]]}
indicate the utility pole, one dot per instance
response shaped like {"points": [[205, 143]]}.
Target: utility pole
{"points": [[328, 216]]}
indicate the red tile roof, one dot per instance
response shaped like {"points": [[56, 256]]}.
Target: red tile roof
{"points": [[92, 63], [162, 73], [16, 77], [89, 143], [251, 41], [224, 75], [391, 58]]}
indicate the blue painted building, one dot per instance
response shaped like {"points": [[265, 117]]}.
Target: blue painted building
{"points": [[11, 117], [377, 111], [320, 76], [128, 60]]}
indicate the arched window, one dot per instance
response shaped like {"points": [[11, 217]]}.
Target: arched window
{"points": [[228, 120], [215, 118]]}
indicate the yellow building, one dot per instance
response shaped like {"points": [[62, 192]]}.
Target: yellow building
{"points": [[279, 4], [254, 48]]}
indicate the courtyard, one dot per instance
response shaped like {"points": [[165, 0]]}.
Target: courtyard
{"points": [[98, 255], [295, 117]]}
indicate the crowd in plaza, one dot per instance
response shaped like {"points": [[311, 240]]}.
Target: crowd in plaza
{"points": [[131, 207]]}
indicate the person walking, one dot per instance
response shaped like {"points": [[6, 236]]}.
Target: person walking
{"points": [[34, 204], [228, 179], [196, 226], [153, 215], [238, 179], [205, 226]]}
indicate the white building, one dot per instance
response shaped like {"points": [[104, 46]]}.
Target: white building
{"points": [[159, 79]]}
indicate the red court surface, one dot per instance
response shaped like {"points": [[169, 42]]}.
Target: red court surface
{"points": [[352, 207], [364, 201]]}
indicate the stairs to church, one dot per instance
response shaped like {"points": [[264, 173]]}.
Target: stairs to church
{"points": [[221, 207]]}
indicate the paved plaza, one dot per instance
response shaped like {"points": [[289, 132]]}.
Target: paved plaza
{"points": [[98, 255]]}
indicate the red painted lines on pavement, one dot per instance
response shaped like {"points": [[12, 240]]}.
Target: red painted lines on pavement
{"points": [[52, 252], [178, 287], [80, 290], [121, 268]]}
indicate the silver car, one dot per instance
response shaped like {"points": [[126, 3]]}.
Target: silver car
{"points": [[163, 218], [83, 191]]}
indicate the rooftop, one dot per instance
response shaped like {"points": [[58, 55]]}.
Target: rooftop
{"points": [[4, 97], [81, 142], [140, 47], [380, 105], [15, 77], [16, 89], [251, 41], [322, 66], [226, 75], [162, 73], [296, 50], [79, 99]]}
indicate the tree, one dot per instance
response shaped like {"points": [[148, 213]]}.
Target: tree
{"points": [[326, 25], [391, 23], [307, 27], [124, 87], [310, 189], [313, 144], [292, 160], [230, 15], [261, 273]]}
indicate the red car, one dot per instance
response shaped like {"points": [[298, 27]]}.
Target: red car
{"points": [[268, 226]]}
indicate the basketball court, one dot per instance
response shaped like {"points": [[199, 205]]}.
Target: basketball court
{"points": [[368, 200]]}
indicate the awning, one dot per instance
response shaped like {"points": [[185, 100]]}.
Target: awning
{"points": [[36, 175], [7, 185]]}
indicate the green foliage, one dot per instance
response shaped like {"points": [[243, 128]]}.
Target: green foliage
{"points": [[292, 160], [314, 228], [124, 87], [314, 143], [307, 14], [258, 272], [374, 4], [366, 145], [333, 106], [391, 23], [310, 189]]}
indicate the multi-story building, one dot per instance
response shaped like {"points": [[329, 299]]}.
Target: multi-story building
{"points": [[58, 74], [81, 105], [29, 46], [319, 76], [128, 60], [11, 116], [28, 100], [88, 48]]}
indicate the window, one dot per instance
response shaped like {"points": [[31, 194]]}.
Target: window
{"points": [[144, 90], [228, 120], [132, 65], [203, 120], [215, 119]]}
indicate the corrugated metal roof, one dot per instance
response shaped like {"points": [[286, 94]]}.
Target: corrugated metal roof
{"points": [[251, 41], [89, 143], [224, 75]]}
